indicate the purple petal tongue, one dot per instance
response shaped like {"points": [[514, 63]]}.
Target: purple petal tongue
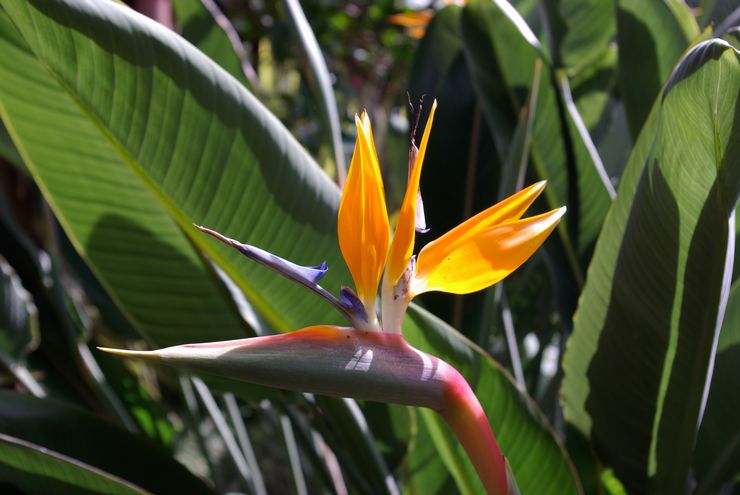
{"points": [[310, 273], [352, 302], [306, 275]]}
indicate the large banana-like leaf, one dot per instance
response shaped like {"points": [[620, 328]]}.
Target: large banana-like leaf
{"points": [[62, 445], [148, 137], [636, 365], [137, 134], [119, 226], [651, 34], [581, 31], [497, 48], [28, 466]]}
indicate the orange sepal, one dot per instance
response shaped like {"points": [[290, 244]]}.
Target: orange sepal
{"points": [[363, 227], [403, 240], [482, 256]]}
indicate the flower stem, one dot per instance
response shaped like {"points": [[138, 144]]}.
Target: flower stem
{"points": [[467, 419]]}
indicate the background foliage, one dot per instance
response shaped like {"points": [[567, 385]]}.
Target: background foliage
{"points": [[606, 364]]}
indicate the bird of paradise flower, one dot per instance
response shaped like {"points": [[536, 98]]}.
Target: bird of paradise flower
{"points": [[371, 360]]}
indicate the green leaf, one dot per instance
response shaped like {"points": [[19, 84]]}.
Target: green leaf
{"points": [[38, 470], [65, 445], [538, 460], [169, 140], [424, 469], [637, 361], [198, 26], [593, 86], [118, 226], [581, 31], [149, 414], [496, 48], [718, 443], [652, 35]]}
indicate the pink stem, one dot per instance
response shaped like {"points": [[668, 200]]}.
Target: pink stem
{"points": [[465, 416]]}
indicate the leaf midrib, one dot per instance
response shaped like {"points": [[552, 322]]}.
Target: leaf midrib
{"points": [[271, 315]]}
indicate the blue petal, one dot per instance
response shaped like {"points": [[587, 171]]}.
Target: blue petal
{"points": [[308, 276], [352, 302], [308, 273]]}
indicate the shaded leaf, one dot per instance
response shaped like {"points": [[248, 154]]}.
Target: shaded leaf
{"points": [[38, 470], [424, 469], [717, 455], [198, 26], [637, 362], [651, 35], [114, 221], [78, 436], [581, 31]]}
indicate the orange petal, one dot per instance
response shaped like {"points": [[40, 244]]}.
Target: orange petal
{"points": [[363, 228], [479, 260], [511, 208], [403, 240]]}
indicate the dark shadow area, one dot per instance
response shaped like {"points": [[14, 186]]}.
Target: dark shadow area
{"points": [[702, 286], [76, 433], [446, 173], [197, 27], [638, 72], [721, 417]]}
